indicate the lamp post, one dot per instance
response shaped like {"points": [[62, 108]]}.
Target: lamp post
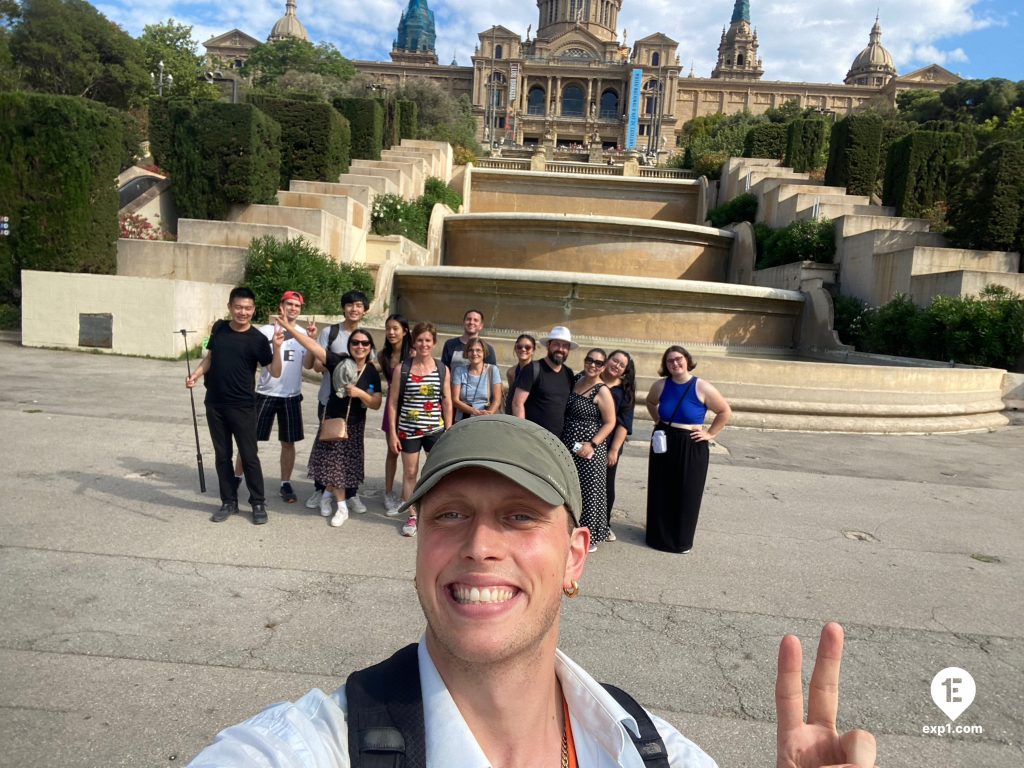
{"points": [[158, 82]]}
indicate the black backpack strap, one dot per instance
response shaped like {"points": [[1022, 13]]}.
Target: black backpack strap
{"points": [[406, 370], [649, 743], [385, 714], [333, 334]]}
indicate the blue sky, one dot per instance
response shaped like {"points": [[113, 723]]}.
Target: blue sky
{"points": [[799, 40]]}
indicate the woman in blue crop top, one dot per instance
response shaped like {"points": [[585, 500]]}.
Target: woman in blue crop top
{"points": [[678, 404]]}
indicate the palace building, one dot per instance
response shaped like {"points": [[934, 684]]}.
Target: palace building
{"points": [[574, 81]]}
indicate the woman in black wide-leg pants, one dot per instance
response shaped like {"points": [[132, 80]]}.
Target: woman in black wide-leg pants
{"points": [[675, 488], [678, 404]]}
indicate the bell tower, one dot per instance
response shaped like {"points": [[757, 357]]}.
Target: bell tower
{"points": [[737, 51]]}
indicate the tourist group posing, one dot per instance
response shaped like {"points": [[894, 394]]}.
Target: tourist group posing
{"points": [[590, 412]]}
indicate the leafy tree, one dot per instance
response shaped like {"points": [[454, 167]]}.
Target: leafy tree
{"points": [[784, 114], [712, 139], [267, 62], [8, 75], [440, 116], [67, 47], [919, 106], [172, 43]]}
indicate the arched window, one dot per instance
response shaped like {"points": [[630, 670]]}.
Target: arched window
{"points": [[535, 101], [739, 60], [572, 101], [497, 51], [655, 59], [609, 105]]}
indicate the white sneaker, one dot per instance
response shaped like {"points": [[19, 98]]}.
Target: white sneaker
{"points": [[392, 502], [409, 529], [356, 505], [340, 516], [326, 504], [314, 500]]}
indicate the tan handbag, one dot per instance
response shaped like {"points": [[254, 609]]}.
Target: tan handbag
{"points": [[332, 430]]}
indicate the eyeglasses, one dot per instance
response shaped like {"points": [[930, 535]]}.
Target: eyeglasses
{"points": [[474, 351], [524, 348], [359, 343], [592, 361], [674, 360]]}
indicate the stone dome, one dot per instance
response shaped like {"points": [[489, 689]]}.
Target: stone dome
{"points": [[873, 65], [288, 26]]}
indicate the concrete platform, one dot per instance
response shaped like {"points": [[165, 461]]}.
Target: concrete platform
{"points": [[133, 629]]}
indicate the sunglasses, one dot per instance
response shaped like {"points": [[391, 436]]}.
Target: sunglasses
{"points": [[592, 361], [359, 343], [524, 348]]}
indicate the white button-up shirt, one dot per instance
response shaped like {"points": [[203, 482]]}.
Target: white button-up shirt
{"points": [[312, 732]]}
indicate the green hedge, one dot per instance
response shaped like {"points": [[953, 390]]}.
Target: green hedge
{"points": [[408, 120], [740, 208], [917, 170], [61, 155], [274, 267], [806, 144], [314, 138], [217, 154], [811, 240], [987, 329], [987, 209], [766, 140], [366, 118], [854, 151]]}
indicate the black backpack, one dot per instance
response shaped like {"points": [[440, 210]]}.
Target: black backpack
{"points": [[442, 374], [385, 717]]}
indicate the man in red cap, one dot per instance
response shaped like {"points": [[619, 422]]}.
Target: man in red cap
{"points": [[281, 398]]}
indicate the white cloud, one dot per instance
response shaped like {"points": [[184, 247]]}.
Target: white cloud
{"points": [[799, 40]]}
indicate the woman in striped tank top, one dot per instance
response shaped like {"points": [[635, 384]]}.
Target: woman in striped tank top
{"points": [[419, 411]]}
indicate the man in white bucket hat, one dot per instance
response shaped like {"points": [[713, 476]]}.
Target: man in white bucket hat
{"points": [[542, 389]]}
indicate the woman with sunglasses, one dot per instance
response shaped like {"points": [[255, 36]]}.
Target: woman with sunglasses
{"points": [[619, 375], [589, 421], [397, 347], [339, 464], [524, 348], [678, 404]]}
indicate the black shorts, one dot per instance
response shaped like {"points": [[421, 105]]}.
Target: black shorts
{"points": [[426, 442], [289, 417]]}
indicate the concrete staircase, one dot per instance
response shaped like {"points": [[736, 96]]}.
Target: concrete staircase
{"points": [[332, 216], [879, 254]]}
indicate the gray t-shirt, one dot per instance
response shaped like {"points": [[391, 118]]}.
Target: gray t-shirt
{"points": [[339, 346]]}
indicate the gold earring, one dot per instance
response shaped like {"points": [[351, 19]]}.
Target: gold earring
{"points": [[572, 591]]}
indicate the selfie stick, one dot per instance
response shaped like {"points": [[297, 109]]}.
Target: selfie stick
{"points": [[195, 423]]}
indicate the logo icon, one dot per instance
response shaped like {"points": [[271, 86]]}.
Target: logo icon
{"points": [[953, 691]]}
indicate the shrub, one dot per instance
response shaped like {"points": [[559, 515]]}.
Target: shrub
{"points": [[806, 144], [854, 150], [987, 209], [811, 240], [917, 170], [766, 140], [218, 154], [135, 227], [314, 138], [391, 215], [274, 267], [710, 164], [60, 156], [740, 208], [408, 125], [10, 317], [463, 156], [366, 119], [848, 320]]}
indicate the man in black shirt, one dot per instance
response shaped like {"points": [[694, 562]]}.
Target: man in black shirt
{"points": [[541, 397], [473, 325], [230, 399]]}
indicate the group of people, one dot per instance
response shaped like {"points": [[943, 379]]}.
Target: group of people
{"points": [[590, 412]]}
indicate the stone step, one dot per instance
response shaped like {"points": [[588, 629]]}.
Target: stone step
{"points": [[854, 224], [961, 282], [234, 233]]}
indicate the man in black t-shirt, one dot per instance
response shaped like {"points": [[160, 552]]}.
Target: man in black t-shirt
{"points": [[542, 399], [230, 399], [473, 325]]}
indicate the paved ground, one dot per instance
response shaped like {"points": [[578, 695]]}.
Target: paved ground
{"points": [[133, 629]]}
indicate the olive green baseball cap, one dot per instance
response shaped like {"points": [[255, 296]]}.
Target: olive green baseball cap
{"points": [[524, 452]]}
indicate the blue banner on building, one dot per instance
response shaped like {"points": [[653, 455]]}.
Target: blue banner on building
{"points": [[635, 84]]}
